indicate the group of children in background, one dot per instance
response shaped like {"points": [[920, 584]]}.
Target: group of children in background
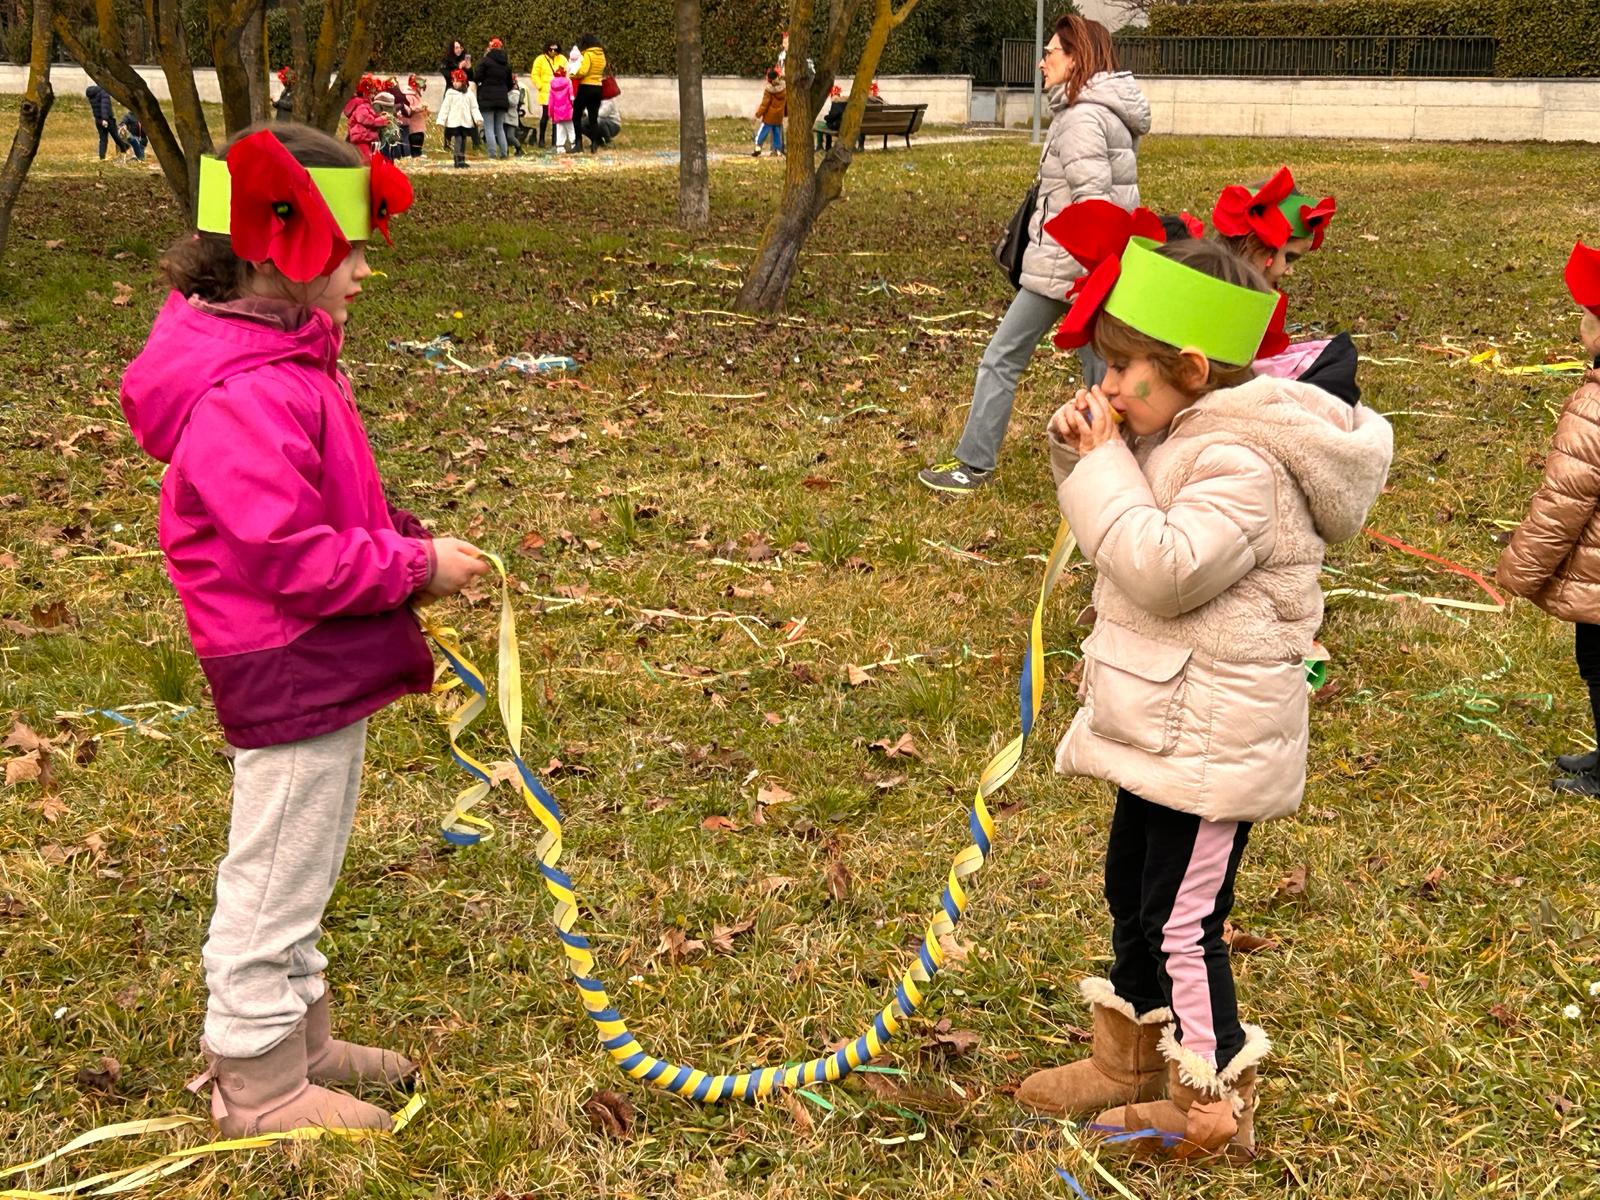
{"points": [[485, 103]]}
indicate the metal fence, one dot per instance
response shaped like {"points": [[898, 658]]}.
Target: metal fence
{"points": [[1430, 57]]}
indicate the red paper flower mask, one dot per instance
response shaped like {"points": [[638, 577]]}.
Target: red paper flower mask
{"points": [[284, 75], [1195, 226], [1276, 339], [1239, 211], [391, 194], [368, 87], [1583, 277], [1096, 232], [1316, 216], [277, 215]]}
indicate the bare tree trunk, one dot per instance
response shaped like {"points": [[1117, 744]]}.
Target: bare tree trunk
{"points": [[227, 22], [36, 102], [807, 188], [165, 19], [694, 182], [253, 50], [108, 67], [299, 60]]}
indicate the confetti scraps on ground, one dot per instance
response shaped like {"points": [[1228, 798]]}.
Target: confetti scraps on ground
{"points": [[439, 352], [1493, 360]]}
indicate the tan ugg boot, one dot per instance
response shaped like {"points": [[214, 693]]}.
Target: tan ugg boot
{"points": [[329, 1060], [1124, 1064], [1207, 1113], [271, 1094]]}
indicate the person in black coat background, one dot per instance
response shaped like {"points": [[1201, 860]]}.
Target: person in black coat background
{"points": [[105, 119], [493, 76]]}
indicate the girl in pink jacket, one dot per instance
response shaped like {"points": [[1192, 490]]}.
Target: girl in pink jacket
{"points": [[297, 579], [364, 125], [561, 109], [1205, 498]]}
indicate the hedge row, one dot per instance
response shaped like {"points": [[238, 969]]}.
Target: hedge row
{"points": [[1550, 38]]}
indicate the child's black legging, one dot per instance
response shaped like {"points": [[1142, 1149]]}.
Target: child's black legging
{"points": [[544, 121], [1169, 884], [1587, 644]]}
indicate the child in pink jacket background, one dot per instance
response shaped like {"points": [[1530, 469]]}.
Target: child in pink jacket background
{"points": [[297, 578], [364, 125], [561, 108]]}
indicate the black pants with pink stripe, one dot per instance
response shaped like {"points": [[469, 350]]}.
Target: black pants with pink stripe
{"points": [[1169, 884]]}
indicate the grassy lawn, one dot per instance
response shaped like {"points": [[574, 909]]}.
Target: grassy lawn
{"points": [[716, 467]]}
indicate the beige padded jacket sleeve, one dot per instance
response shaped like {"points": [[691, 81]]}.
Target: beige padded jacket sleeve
{"points": [[1219, 526], [1564, 503]]}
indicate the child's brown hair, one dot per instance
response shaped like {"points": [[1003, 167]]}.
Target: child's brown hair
{"points": [[1117, 341], [204, 264]]}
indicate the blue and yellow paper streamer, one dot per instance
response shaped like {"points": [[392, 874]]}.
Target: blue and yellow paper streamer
{"points": [[692, 1083]]}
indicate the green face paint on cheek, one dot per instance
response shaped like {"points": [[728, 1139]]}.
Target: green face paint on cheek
{"points": [[1141, 390]]}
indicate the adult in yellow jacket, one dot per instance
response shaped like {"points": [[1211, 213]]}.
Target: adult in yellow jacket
{"points": [[542, 72], [586, 80]]}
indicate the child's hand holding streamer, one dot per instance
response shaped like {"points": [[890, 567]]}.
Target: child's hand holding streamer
{"points": [[456, 564]]}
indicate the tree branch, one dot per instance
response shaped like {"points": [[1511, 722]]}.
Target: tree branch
{"points": [[35, 108], [126, 85]]}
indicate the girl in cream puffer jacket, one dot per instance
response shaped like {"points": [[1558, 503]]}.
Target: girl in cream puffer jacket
{"points": [[1206, 518]]}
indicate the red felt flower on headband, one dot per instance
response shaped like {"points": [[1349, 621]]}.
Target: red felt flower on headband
{"points": [[1239, 212], [411, 82], [276, 213], [496, 44], [283, 75], [1276, 339], [1195, 226], [1096, 232], [1583, 277], [391, 194], [368, 86], [1316, 217]]}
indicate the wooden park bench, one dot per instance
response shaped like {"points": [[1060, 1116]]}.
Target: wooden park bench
{"points": [[881, 120]]}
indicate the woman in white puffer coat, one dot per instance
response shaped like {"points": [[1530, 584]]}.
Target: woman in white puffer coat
{"points": [[1090, 153]]}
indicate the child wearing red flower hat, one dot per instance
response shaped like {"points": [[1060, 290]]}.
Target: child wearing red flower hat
{"points": [[1272, 225], [1553, 558], [297, 579], [364, 125], [1205, 498]]}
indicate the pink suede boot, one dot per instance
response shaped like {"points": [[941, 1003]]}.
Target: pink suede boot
{"points": [[329, 1060], [271, 1094]]}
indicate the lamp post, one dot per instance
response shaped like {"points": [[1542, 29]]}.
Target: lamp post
{"points": [[1038, 81]]}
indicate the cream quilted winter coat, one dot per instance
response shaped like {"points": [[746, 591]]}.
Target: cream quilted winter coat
{"points": [[1209, 544]]}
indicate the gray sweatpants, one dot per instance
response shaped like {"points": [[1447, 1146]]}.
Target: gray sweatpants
{"points": [[1028, 319], [293, 808]]}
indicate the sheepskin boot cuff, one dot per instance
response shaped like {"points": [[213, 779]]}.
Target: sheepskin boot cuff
{"points": [[1124, 1066]]}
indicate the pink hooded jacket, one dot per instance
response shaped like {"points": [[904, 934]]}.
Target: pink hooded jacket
{"points": [[560, 98], [363, 125], [293, 570]]}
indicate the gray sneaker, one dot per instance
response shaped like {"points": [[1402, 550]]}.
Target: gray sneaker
{"points": [[953, 477]]}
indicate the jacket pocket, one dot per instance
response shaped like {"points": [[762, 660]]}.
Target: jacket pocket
{"points": [[1135, 687]]}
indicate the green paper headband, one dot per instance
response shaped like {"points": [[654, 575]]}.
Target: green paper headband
{"points": [[1183, 307], [1290, 208], [347, 191]]}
